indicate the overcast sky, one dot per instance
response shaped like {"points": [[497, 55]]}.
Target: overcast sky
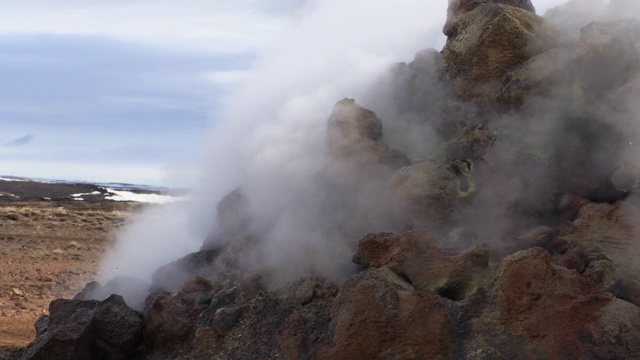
{"points": [[126, 90]]}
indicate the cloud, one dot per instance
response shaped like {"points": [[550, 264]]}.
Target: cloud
{"points": [[21, 141]]}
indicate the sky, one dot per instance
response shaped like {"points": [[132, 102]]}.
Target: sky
{"points": [[127, 90]]}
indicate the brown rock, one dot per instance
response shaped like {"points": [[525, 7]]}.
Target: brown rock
{"points": [[416, 256], [486, 41], [377, 315], [606, 230], [465, 5], [543, 311]]}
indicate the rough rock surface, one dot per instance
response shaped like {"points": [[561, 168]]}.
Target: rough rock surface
{"points": [[484, 43], [354, 138], [86, 329]]}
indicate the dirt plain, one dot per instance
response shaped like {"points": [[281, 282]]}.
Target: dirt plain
{"points": [[48, 250]]}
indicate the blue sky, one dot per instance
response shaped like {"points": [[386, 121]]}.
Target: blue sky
{"points": [[122, 91]]}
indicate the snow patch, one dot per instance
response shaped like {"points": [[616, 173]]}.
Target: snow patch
{"points": [[123, 195]]}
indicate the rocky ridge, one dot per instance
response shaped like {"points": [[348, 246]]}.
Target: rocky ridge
{"points": [[516, 239]]}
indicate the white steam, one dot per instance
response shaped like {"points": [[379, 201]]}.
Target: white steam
{"points": [[271, 140]]}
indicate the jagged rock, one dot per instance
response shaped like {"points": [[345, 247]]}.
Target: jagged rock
{"points": [[600, 273], [375, 317], [41, 325], [133, 290], [574, 258], [487, 40], [169, 319], [354, 137], [416, 256], [609, 230], [170, 277], [426, 192], [232, 218], [540, 311], [456, 6], [87, 329], [606, 55]]}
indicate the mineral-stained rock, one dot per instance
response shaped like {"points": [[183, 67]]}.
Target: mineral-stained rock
{"points": [[354, 137], [416, 256], [377, 315], [425, 192], [456, 6], [87, 329], [486, 41], [609, 230], [540, 311]]}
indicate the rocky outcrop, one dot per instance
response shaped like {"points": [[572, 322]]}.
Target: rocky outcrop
{"points": [[354, 139], [86, 329], [416, 257], [376, 314], [538, 311], [487, 40]]}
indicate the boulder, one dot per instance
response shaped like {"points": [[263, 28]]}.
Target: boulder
{"points": [[378, 315], [87, 329], [232, 219], [354, 140], [169, 319], [486, 40], [425, 192], [416, 257], [601, 229]]}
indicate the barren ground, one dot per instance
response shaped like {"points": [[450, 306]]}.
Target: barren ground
{"points": [[49, 250]]}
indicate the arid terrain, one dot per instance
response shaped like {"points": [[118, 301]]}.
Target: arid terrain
{"points": [[49, 250]]}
